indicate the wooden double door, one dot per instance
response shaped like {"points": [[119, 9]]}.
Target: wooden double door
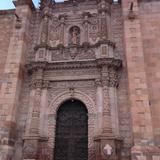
{"points": [[71, 141]]}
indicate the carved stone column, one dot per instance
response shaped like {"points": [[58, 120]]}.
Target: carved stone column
{"points": [[44, 26], [30, 148], [85, 25], [33, 141], [113, 83], [99, 104], [43, 41], [107, 127], [104, 16], [43, 118], [62, 19]]}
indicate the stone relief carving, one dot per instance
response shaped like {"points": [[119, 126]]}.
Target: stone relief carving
{"points": [[84, 86], [93, 29], [54, 32], [29, 150], [73, 52], [54, 28]]}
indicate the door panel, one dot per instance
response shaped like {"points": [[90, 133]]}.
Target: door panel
{"points": [[71, 142]]}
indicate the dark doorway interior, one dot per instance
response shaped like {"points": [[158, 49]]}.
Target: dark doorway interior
{"points": [[71, 142]]}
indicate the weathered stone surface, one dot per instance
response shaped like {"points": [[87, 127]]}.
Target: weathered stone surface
{"points": [[103, 54]]}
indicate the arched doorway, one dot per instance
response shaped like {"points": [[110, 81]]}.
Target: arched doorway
{"points": [[71, 141]]}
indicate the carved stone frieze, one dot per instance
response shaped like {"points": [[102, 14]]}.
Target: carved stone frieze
{"points": [[73, 52], [110, 62], [39, 84]]}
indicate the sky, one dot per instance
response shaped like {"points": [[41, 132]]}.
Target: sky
{"points": [[7, 4]]}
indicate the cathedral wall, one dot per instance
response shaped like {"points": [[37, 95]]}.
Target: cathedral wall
{"points": [[122, 90], [6, 24], [57, 86], [150, 27]]}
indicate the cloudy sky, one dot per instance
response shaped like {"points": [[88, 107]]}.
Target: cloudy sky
{"points": [[7, 4]]}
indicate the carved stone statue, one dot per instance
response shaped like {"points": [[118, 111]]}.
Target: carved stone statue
{"points": [[74, 35]]}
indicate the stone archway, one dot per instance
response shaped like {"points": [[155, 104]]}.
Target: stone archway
{"points": [[52, 113]]}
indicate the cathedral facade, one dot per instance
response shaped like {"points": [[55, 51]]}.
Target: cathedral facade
{"points": [[79, 80]]}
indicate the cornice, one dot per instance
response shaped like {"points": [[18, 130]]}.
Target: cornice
{"points": [[109, 62]]}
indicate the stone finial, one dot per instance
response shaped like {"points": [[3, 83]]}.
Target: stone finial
{"points": [[104, 6], [24, 2], [46, 3]]}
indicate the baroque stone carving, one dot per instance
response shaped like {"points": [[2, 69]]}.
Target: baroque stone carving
{"points": [[113, 77], [93, 28], [29, 150], [98, 82], [66, 95], [58, 100], [38, 83]]}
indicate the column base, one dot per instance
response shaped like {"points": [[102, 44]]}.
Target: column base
{"points": [[108, 147], [145, 153], [35, 148]]}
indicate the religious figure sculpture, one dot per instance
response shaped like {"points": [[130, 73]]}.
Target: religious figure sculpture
{"points": [[74, 35]]}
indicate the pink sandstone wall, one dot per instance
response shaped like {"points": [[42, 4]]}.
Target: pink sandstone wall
{"points": [[150, 28], [6, 23]]}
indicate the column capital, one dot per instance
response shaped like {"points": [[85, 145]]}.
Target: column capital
{"points": [[36, 83], [45, 84], [105, 81], [98, 82], [113, 78]]}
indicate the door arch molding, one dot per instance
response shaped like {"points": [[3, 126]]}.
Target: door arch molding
{"points": [[52, 113], [84, 98]]}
